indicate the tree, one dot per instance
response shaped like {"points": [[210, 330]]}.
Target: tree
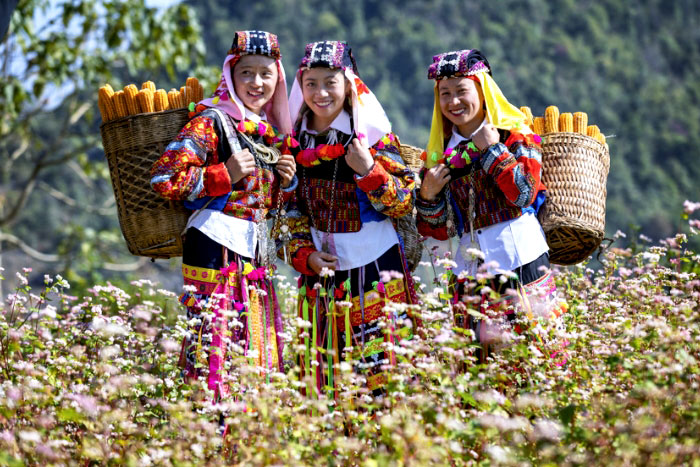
{"points": [[53, 59]]}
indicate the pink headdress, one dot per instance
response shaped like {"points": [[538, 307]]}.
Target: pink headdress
{"points": [[369, 119], [225, 98]]}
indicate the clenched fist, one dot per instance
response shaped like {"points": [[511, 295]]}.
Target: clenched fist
{"points": [[359, 158], [286, 167], [433, 181], [485, 137], [240, 165]]}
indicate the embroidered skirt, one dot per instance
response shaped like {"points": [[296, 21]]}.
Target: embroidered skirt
{"points": [[346, 311], [229, 302]]}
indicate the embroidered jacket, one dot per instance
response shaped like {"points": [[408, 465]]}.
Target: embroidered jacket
{"points": [[343, 206], [193, 169], [506, 179]]}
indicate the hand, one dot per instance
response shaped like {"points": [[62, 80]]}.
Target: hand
{"points": [[359, 158], [434, 181], [240, 165], [286, 167], [319, 260], [485, 137]]}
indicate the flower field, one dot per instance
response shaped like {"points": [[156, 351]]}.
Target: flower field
{"points": [[94, 380]]}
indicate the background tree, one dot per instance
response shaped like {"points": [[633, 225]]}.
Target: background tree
{"points": [[55, 194]]}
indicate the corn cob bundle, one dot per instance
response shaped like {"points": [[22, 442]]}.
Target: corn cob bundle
{"points": [[132, 101], [551, 119], [566, 122], [105, 104]]}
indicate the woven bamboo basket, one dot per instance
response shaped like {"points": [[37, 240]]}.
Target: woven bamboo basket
{"points": [[406, 225], [574, 170], [150, 224]]}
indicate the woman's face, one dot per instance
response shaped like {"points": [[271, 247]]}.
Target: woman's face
{"points": [[462, 103], [324, 91], [254, 80]]}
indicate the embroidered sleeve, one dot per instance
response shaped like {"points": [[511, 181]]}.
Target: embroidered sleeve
{"points": [[431, 220], [188, 168], [300, 245], [516, 167], [390, 183]]}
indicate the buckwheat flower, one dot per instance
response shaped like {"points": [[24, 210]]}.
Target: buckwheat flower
{"points": [[547, 429], [689, 207]]}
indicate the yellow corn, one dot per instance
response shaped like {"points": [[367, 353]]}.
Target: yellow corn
{"points": [[200, 92], [160, 100], [580, 122], [566, 122], [528, 114], [104, 102], [600, 138], [120, 104], [149, 85], [130, 92], [593, 131], [192, 82], [172, 99], [145, 98], [551, 119], [538, 125]]}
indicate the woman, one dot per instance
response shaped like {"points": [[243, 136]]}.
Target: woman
{"points": [[229, 163], [352, 182], [483, 183]]}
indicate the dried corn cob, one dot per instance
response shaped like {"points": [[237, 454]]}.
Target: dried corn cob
{"points": [[600, 138], [580, 122], [173, 99], [190, 95], [104, 102], [145, 98], [130, 93], [160, 100], [538, 125], [566, 122], [593, 131], [551, 119], [200, 92], [192, 82], [149, 85], [119, 101], [528, 114]]}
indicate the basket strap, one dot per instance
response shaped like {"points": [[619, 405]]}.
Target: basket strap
{"points": [[231, 134]]}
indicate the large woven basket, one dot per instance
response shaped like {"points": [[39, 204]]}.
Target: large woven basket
{"points": [[574, 170], [406, 225], [150, 224]]}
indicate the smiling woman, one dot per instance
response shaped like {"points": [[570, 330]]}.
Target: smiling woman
{"points": [[231, 165], [254, 79]]}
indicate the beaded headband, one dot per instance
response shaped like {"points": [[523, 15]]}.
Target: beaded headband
{"points": [[458, 63], [328, 54], [255, 43]]}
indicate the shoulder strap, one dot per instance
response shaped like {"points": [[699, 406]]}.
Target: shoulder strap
{"points": [[231, 133]]}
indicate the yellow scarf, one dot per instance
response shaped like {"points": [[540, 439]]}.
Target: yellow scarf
{"points": [[499, 112]]}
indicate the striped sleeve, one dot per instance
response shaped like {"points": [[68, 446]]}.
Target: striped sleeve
{"points": [[390, 183], [188, 168], [516, 167]]}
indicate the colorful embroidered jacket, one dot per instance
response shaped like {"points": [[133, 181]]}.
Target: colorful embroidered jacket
{"points": [[506, 182], [193, 169], [350, 201]]}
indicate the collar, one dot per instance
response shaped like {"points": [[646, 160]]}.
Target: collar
{"points": [[458, 138], [341, 124], [255, 118]]}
